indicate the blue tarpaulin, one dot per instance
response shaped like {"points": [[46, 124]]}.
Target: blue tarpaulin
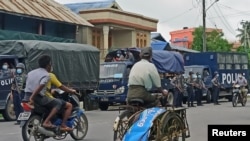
{"points": [[168, 61], [158, 45]]}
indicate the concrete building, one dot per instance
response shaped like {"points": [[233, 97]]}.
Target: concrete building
{"points": [[113, 27], [184, 37]]}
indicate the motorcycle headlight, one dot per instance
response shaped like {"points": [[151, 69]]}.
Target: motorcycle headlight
{"points": [[120, 90]]}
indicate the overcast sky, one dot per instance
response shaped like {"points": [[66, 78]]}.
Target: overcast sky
{"points": [[176, 14]]}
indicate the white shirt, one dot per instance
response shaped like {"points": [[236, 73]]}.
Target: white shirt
{"points": [[145, 74]]}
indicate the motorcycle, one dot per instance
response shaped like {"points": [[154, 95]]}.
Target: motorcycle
{"points": [[238, 96], [32, 119]]}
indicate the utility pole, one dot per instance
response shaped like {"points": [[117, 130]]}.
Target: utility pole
{"points": [[204, 26], [204, 10]]}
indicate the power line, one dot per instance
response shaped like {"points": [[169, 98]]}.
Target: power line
{"points": [[174, 17]]}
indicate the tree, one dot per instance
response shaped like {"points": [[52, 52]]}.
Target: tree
{"points": [[244, 33], [215, 41]]}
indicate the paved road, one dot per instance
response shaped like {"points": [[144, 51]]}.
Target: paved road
{"points": [[100, 122]]}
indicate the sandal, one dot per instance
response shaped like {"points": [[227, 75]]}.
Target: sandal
{"points": [[51, 126], [68, 129]]}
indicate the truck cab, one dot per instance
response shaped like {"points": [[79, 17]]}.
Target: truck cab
{"points": [[6, 79], [113, 83]]}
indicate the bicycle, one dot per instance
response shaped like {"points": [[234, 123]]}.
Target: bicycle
{"points": [[168, 126]]}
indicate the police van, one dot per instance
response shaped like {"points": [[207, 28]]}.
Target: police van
{"points": [[227, 64], [6, 79]]}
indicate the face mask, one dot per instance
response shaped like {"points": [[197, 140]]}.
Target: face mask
{"points": [[19, 71], [199, 76], [118, 55], [217, 75], [51, 69], [5, 67]]}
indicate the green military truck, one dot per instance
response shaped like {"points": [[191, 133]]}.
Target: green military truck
{"points": [[75, 65]]}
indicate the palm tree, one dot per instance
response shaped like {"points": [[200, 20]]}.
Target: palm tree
{"points": [[244, 33]]}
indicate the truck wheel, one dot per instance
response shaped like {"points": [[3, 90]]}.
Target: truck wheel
{"points": [[209, 96], [104, 106], [9, 113]]}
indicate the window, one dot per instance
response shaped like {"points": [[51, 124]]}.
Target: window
{"points": [[221, 66], [221, 58], [229, 66], [229, 58], [236, 58], [141, 40], [245, 66], [244, 59], [237, 66], [96, 38]]}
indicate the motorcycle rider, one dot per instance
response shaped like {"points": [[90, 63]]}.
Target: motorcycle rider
{"points": [[140, 82], [35, 90], [243, 83]]}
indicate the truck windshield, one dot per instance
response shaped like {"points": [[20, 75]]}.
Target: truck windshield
{"points": [[112, 70]]}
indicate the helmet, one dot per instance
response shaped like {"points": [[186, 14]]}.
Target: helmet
{"points": [[20, 65], [191, 72]]}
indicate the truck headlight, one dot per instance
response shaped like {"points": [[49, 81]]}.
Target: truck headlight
{"points": [[120, 90]]}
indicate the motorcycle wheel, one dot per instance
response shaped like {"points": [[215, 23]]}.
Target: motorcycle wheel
{"points": [[29, 133], [235, 99], [80, 128]]}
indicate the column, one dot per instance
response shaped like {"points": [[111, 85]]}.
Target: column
{"points": [[105, 41]]}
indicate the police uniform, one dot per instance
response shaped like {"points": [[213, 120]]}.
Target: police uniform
{"points": [[216, 88], [18, 86], [178, 91], [190, 90], [199, 85]]}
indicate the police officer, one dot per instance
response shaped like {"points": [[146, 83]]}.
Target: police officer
{"points": [[17, 91], [216, 88], [190, 89], [199, 86]]}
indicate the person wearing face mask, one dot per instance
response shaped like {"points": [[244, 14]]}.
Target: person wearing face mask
{"points": [[243, 83], [5, 69], [190, 89], [17, 89], [216, 88], [199, 86]]}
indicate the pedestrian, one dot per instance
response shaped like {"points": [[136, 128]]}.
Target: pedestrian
{"points": [[190, 89], [17, 89], [216, 88]]}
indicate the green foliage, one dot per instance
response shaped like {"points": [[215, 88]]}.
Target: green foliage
{"points": [[215, 41]]}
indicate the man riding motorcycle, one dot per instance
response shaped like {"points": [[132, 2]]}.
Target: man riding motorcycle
{"points": [[37, 89], [243, 83]]}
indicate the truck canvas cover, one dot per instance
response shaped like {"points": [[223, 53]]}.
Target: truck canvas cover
{"points": [[168, 61], [75, 65]]}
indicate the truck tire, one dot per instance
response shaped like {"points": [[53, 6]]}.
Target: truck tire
{"points": [[9, 113], [209, 96], [103, 106]]}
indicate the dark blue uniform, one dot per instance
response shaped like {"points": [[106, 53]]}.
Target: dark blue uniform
{"points": [[18, 93]]}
